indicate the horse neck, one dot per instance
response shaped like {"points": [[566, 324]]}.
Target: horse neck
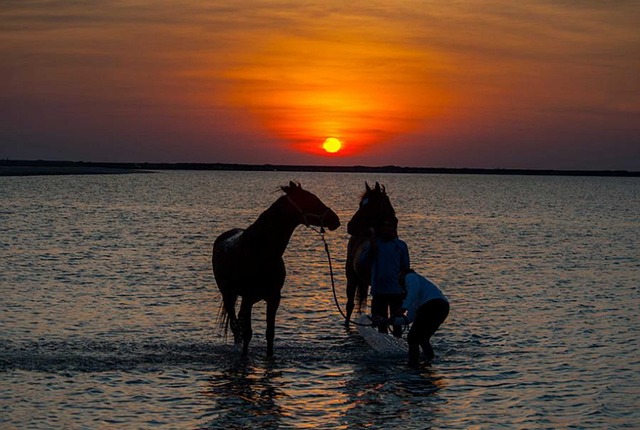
{"points": [[273, 229]]}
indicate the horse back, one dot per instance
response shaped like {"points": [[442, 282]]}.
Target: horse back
{"points": [[225, 250], [227, 238], [242, 269]]}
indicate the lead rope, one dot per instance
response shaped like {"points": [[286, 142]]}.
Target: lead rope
{"points": [[333, 284]]}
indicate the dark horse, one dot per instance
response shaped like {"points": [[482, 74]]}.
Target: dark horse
{"points": [[374, 210], [248, 262]]}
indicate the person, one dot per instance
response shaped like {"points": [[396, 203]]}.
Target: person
{"points": [[388, 256], [427, 308]]}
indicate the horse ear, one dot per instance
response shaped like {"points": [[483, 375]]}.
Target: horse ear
{"points": [[377, 187], [292, 185], [366, 184]]}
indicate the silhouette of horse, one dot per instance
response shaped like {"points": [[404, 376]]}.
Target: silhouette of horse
{"points": [[248, 262], [375, 209]]}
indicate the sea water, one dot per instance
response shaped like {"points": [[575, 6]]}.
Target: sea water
{"points": [[108, 305]]}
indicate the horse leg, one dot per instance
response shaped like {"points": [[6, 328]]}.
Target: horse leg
{"points": [[351, 294], [352, 284], [272, 308], [244, 320]]}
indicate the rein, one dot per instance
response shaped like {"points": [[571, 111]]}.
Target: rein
{"points": [[320, 232], [333, 284], [305, 215]]}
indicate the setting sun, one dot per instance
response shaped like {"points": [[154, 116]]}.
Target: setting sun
{"points": [[332, 145]]}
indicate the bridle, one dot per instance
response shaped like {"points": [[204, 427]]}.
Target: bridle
{"points": [[377, 209], [306, 215]]}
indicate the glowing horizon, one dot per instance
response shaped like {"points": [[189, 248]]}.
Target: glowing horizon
{"points": [[532, 84], [362, 92]]}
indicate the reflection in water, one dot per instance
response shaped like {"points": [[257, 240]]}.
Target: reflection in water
{"points": [[379, 395], [375, 392], [246, 395]]}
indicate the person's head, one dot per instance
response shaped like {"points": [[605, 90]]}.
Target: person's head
{"points": [[388, 230], [403, 275]]}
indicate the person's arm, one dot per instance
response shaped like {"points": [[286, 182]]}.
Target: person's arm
{"points": [[406, 263], [409, 303], [412, 295]]}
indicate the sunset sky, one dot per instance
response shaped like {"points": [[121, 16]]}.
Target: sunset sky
{"points": [[489, 84]]}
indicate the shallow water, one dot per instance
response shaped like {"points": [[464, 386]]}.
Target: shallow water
{"points": [[108, 306]]}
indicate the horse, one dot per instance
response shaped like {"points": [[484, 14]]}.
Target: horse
{"points": [[248, 262], [374, 210]]}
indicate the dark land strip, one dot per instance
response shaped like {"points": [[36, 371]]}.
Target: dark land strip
{"points": [[43, 167]]}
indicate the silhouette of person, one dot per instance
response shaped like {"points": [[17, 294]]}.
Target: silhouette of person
{"points": [[388, 255], [427, 308]]}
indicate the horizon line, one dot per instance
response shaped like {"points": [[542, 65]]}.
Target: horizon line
{"points": [[22, 167]]}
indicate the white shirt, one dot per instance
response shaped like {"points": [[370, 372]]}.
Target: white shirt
{"points": [[420, 290]]}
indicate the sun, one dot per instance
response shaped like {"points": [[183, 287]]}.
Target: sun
{"points": [[332, 145]]}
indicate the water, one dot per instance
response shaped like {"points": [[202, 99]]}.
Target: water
{"points": [[108, 306]]}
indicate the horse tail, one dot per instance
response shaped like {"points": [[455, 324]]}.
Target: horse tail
{"points": [[223, 316], [228, 298], [360, 271], [362, 292]]}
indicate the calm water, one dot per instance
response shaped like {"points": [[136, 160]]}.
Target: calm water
{"points": [[108, 306]]}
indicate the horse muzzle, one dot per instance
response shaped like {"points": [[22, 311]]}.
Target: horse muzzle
{"points": [[331, 220]]}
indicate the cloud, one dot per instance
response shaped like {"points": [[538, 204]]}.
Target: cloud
{"points": [[395, 79]]}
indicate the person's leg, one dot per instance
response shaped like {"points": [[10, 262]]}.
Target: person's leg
{"points": [[427, 349], [379, 306], [414, 346], [433, 313], [418, 334]]}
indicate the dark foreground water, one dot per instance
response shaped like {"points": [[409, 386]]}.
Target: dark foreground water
{"points": [[108, 306]]}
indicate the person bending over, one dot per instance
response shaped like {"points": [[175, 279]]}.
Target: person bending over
{"points": [[427, 308]]}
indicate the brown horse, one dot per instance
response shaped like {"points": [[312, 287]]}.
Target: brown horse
{"points": [[248, 262], [375, 209]]}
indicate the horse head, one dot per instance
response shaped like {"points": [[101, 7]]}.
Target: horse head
{"points": [[310, 208], [375, 209]]}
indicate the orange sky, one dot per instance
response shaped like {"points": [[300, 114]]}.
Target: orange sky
{"points": [[532, 84], [360, 87]]}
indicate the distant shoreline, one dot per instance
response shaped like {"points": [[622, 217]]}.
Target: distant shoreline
{"points": [[43, 167]]}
